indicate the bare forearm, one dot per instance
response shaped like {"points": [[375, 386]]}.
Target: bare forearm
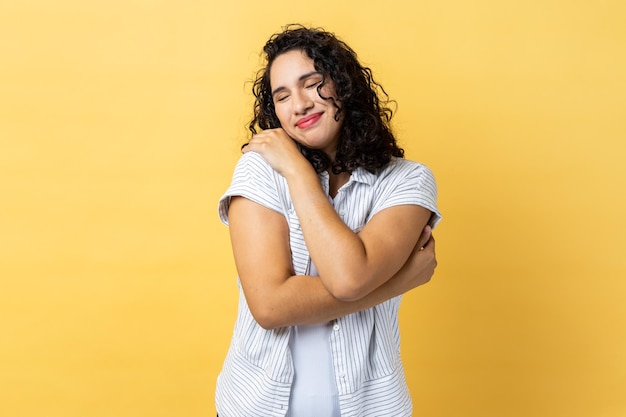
{"points": [[352, 265], [335, 249], [305, 300], [278, 298]]}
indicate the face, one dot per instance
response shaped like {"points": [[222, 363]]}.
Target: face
{"points": [[303, 114]]}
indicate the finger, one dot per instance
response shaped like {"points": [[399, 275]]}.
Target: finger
{"points": [[424, 236], [255, 144], [429, 246]]}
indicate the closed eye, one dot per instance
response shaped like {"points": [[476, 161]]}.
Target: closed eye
{"points": [[313, 84]]}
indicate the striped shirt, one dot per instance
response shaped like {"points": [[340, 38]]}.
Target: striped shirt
{"points": [[256, 377]]}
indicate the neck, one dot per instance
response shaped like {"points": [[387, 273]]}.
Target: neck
{"points": [[336, 181]]}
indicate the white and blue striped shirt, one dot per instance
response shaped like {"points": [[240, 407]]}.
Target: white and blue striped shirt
{"points": [[258, 371]]}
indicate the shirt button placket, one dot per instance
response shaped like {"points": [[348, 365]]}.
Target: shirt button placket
{"points": [[339, 363]]}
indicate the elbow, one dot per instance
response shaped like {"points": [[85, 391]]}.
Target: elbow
{"points": [[349, 290], [268, 325], [266, 318]]}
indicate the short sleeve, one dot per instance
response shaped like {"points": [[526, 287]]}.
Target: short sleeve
{"points": [[408, 182], [255, 180]]}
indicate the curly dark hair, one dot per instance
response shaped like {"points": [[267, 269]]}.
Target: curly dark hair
{"points": [[366, 138]]}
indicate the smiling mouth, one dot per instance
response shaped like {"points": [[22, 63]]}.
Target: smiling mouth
{"points": [[308, 121]]}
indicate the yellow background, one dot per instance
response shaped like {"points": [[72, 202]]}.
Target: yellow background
{"points": [[120, 124]]}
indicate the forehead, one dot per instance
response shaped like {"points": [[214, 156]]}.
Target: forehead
{"points": [[288, 67]]}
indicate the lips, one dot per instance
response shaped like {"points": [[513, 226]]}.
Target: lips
{"points": [[308, 121]]}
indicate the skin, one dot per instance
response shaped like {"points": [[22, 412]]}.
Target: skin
{"points": [[392, 254]]}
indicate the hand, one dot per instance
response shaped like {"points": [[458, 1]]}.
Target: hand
{"points": [[421, 264], [278, 149]]}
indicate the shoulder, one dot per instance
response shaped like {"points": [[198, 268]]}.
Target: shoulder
{"points": [[254, 162], [403, 182], [405, 170], [253, 170], [404, 164], [257, 181]]}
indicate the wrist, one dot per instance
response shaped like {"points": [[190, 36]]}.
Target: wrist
{"points": [[300, 173]]}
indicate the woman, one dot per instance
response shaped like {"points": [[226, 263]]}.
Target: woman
{"points": [[329, 226]]}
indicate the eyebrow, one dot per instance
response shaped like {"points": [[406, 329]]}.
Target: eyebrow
{"points": [[300, 79]]}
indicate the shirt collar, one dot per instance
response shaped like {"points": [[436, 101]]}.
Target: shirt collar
{"points": [[358, 175], [362, 175]]}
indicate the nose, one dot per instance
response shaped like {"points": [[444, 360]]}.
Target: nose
{"points": [[301, 102]]}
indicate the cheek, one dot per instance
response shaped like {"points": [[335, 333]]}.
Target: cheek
{"points": [[281, 114]]}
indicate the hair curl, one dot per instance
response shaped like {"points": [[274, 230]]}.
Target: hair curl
{"points": [[366, 139]]}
